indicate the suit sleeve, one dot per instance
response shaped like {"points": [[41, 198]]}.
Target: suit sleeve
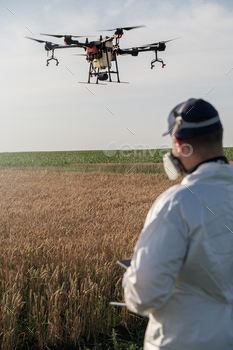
{"points": [[157, 259]]}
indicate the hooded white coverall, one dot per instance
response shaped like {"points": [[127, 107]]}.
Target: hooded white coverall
{"points": [[181, 273]]}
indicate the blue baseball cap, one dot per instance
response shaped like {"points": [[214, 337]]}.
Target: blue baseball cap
{"points": [[193, 118]]}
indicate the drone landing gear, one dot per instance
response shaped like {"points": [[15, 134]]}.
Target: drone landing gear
{"points": [[52, 58], [152, 65], [157, 60], [106, 75], [113, 72], [93, 72]]}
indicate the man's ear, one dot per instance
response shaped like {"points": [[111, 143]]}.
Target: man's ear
{"points": [[177, 144]]}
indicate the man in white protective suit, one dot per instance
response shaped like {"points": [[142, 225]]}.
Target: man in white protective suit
{"points": [[181, 273]]}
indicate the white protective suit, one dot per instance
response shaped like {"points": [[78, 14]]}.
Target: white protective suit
{"points": [[181, 273]]}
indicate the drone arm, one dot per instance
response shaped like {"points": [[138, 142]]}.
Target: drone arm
{"points": [[134, 51], [70, 46]]}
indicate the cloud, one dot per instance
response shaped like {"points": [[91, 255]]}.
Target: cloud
{"points": [[46, 9], [128, 3]]}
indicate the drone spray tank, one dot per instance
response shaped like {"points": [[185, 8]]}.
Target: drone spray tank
{"points": [[105, 60]]}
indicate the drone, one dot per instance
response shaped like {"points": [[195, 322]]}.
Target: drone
{"points": [[102, 53]]}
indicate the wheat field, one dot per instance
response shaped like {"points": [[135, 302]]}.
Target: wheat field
{"points": [[61, 235]]}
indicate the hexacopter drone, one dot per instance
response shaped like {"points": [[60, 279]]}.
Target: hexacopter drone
{"points": [[101, 53]]}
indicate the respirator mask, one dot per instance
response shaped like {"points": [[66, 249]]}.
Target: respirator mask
{"points": [[173, 166]]}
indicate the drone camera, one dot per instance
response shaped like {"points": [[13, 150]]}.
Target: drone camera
{"points": [[102, 76]]}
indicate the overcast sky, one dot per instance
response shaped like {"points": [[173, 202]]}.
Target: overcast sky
{"points": [[47, 109]]}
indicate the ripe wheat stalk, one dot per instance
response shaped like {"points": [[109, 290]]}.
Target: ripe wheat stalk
{"points": [[61, 235]]}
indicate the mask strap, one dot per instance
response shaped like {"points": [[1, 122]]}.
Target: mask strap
{"points": [[176, 126]]}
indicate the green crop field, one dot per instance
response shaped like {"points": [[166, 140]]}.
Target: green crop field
{"points": [[115, 161], [75, 157]]}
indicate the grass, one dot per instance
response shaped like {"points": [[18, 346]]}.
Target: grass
{"points": [[228, 152]]}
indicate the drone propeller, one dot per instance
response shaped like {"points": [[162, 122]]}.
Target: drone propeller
{"points": [[63, 36], [48, 45], [39, 41], [123, 28], [170, 40], [129, 28], [153, 44]]}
